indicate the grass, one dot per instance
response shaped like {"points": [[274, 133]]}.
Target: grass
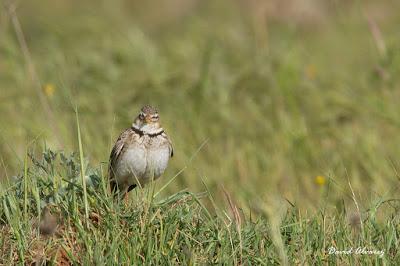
{"points": [[177, 229], [285, 130]]}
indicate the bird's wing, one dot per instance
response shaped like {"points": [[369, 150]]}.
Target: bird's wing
{"points": [[171, 148], [117, 150]]}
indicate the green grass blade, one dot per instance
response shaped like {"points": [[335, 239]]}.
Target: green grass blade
{"points": [[82, 167]]}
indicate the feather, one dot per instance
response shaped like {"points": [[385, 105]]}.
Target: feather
{"points": [[117, 150]]}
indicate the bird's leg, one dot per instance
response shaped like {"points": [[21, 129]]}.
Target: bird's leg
{"points": [[126, 193], [126, 198]]}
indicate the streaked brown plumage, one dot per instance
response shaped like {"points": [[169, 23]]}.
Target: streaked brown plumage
{"points": [[140, 154]]}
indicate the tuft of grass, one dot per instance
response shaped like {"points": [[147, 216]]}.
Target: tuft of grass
{"points": [[177, 229]]}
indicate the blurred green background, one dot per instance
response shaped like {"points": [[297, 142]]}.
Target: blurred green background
{"points": [[261, 98]]}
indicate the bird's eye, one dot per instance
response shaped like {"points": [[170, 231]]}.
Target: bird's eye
{"points": [[141, 116]]}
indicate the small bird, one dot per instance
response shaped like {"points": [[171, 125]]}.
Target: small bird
{"points": [[140, 154]]}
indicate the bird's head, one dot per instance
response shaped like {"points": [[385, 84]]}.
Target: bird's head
{"points": [[147, 120]]}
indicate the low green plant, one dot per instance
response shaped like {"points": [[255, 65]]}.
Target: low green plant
{"points": [[176, 229]]}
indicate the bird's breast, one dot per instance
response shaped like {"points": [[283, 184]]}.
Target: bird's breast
{"points": [[143, 162], [132, 163], [157, 161]]}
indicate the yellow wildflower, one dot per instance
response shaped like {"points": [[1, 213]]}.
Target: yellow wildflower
{"points": [[49, 89], [320, 180], [311, 71]]}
